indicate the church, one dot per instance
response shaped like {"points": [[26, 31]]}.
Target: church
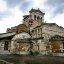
{"points": [[33, 35]]}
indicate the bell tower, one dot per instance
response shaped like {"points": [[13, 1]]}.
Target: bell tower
{"points": [[34, 19], [37, 17]]}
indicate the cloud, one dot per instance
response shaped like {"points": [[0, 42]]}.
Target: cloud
{"points": [[11, 20], [54, 2], [23, 4], [3, 6], [17, 8], [12, 11], [59, 19], [13, 3], [4, 11], [5, 14], [56, 5]]}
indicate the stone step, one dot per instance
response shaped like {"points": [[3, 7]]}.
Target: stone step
{"points": [[5, 52]]}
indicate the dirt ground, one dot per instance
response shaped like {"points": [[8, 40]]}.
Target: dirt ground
{"points": [[20, 59]]}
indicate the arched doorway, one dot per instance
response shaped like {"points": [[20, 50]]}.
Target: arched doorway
{"points": [[22, 43], [6, 45], [56, 43]]}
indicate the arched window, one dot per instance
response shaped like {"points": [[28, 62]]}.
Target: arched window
{"points": [[41, 19], [34, 17], [38, 18]]}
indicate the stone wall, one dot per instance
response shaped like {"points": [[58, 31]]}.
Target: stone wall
{"points": [[18, 29]]}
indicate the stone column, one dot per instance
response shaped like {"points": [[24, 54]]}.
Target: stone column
{"points": [[12, 46]]}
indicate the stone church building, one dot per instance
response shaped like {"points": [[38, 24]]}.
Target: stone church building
{"points": [[33, 35]]}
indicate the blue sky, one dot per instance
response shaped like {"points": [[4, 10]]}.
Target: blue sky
{"points": [[12, 11]]}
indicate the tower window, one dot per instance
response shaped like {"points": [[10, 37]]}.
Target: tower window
{"points": [[34, 17], [38, 18], [30, 22], [41, 19]]}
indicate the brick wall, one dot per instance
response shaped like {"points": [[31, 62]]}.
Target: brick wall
{"points": [[18, 29]]}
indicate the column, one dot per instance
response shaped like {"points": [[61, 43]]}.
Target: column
{"points": [[12, 46]]}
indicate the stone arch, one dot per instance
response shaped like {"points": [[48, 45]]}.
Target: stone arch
{"points": [[22, 35], [21, 43], [55, 42], [38, 18], [34, 17], [41, 19]]}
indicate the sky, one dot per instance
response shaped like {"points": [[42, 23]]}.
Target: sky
{"points": [[12, 11]]}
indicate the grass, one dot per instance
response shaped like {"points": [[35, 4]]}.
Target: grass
{"points": [[19, 59]]}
